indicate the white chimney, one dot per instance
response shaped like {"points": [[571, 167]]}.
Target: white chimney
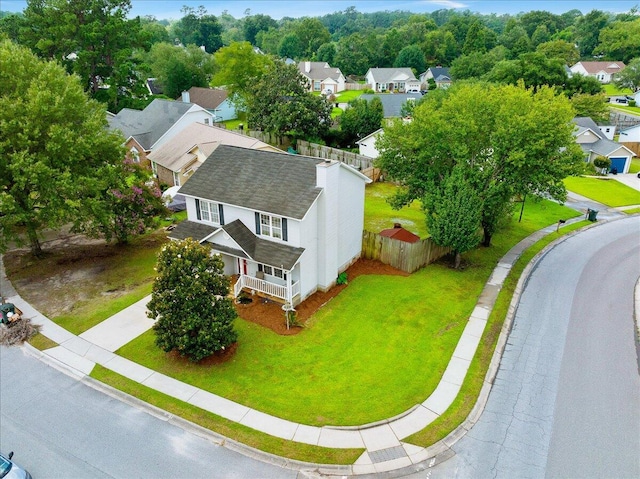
{"points": [[185, 97], [307, 67]]}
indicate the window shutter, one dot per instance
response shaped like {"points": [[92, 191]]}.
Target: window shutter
{"points": [[284, 229], [259, 267], [257, 223], [221, 213], [198, 209]]}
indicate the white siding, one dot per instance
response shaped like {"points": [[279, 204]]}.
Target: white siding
{"points": [[327, 177], [195, 114], [630, 135], [350, 218], [308, 235]]}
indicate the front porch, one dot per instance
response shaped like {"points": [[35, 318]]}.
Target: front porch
{"points": [[288, 293]]}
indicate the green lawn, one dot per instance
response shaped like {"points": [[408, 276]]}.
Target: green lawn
{"points": [[604, 190], [378, 215], [361, 355], [348, 95], [611, 89], [635, 165]]}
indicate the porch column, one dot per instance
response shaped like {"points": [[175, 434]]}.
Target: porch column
{"points": [[289, 292]]}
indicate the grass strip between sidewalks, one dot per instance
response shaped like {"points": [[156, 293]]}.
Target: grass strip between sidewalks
{"points": [[470, 391], [230, 429]]}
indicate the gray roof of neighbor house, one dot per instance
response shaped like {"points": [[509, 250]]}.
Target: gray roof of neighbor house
{"points": [[148, 125], [603, 146], [207, 98], [586, 123], [392, 103], [439, 71], [264, 181], [319, 70], [384, 75], [251, 246], [177, 152]]}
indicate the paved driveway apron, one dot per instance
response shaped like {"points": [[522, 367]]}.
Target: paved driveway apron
{"points": [[566, 399]]}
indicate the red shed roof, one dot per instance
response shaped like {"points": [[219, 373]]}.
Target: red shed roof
{"points": [[399, 233]]}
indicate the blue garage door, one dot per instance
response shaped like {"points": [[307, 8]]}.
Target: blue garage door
{"points": [[618, 163]]}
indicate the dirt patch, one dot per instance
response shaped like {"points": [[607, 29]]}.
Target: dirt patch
{"points": [[74, 268], [269, 314]]}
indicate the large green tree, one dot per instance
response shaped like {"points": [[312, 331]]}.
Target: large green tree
{"points": [[281, 104], [630, 76], [620, 40], [92, 38], [513, 141], [361, 119], [178, 68], [453, 214], [190, 301], [411, 56], [55, 149], [239, 67], [198, 28]]}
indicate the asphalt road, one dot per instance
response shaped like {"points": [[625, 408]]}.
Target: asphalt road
{"points": [[566, 400], [59, 427]]}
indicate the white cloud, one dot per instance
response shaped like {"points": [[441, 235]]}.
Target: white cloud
{"points": [[448, 3]]}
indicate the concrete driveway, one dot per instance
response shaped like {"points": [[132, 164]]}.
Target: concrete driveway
{"points": [[629, 179]]}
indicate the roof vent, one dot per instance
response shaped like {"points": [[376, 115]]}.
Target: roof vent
{"points": [[397, 225]]}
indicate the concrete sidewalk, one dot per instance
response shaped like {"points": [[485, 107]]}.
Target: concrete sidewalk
{"points": [[382, 441]]}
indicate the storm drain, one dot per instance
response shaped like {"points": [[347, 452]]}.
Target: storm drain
{"points": [[384, 455]]}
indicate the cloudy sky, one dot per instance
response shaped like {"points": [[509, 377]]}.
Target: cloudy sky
{"points": [[166, 9]]}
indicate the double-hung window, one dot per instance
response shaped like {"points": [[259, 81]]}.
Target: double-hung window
{"points": [[209, 211], [271, 226]]}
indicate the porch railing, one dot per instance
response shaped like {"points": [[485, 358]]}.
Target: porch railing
{"points": [[264, 286]]}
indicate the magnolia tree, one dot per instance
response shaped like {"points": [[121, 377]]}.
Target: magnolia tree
{"points": [[190, 302]]}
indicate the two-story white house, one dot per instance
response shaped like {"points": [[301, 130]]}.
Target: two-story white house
{"points": [[285, 225]]}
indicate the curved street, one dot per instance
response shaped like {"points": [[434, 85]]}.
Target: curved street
{"points": [[566, 400]]}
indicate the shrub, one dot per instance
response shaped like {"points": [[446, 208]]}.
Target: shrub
{"points": [[602, 163], [632, 103], [190, 301]]}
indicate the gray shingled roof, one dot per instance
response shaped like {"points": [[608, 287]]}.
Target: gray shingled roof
{"points": [[319, 71], [261, 250], [252, 247], [602, 147], [392, 103], [191, 229], [385, 75], [148, 125], [277, 183], [586, 123]]}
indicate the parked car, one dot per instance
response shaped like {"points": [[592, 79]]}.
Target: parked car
{"points": [[10, 470]]}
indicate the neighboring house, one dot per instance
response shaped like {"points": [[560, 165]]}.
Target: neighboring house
{"points": [[214, 100], [367, 145], [392, 104], [176, 160], [604, 72], [321, 77], [594, 144], [630, 137], [286, 225], [440, 75], [609, 131], [384, 80], [160, 121], [630, 134], [400, 234]]}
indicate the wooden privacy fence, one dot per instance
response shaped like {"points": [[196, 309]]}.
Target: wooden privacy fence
{"points": [[360, 162], [408, 257]]}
